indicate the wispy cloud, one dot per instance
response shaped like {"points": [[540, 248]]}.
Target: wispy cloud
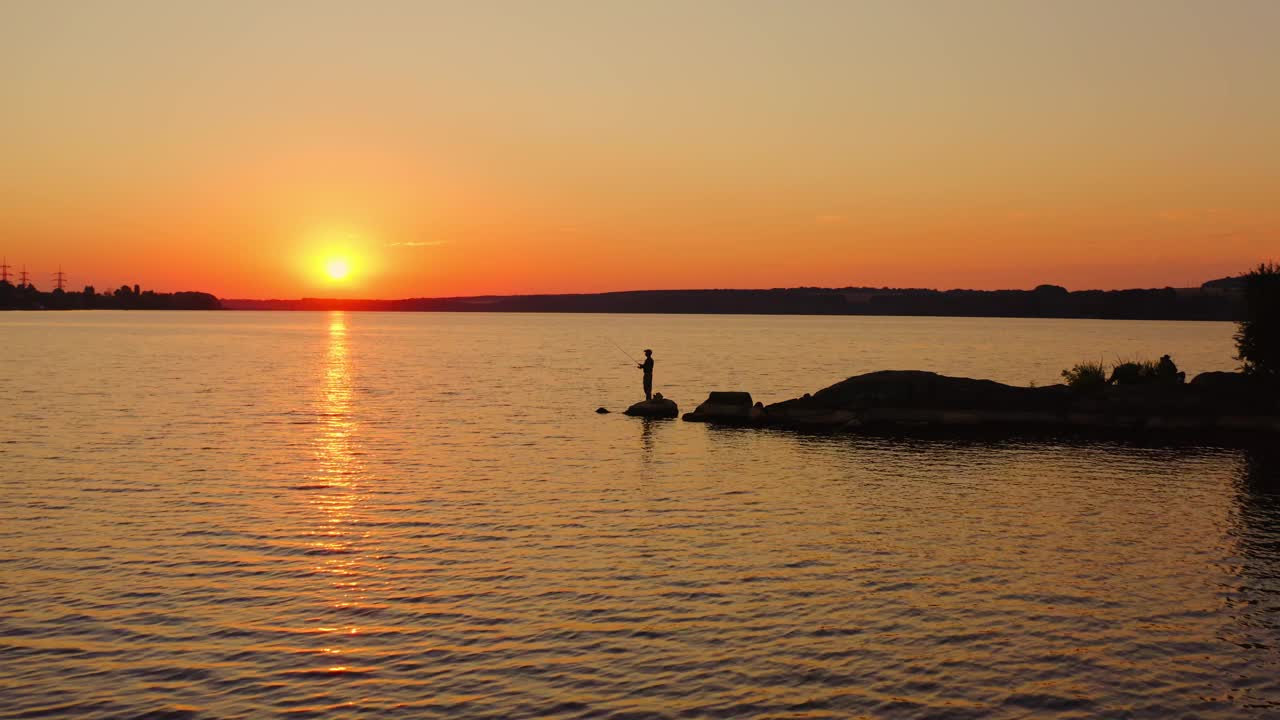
{"points": [[431, 243], [1177, 215]]}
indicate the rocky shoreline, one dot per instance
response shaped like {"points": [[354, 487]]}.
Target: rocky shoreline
{"points": [[910, 399]]}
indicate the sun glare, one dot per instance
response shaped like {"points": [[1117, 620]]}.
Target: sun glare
{"points": [[337, 268]]}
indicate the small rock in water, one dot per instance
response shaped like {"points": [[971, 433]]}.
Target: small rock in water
{"points": [[602, 411], [658, 407]]}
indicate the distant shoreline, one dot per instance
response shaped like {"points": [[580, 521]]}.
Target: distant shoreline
{"points": [[1214, 301], [1046, 301], [28, 297]]}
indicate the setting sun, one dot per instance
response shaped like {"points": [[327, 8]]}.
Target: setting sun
{"points": [[337, 268]]}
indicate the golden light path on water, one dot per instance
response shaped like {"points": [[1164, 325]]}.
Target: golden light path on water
{"points": [[340, 473]]}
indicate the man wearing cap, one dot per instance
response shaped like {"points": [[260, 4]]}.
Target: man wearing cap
{"points": [[647, 367]]}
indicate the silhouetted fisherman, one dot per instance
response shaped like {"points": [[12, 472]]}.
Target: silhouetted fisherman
{"points": [[647, 367]]}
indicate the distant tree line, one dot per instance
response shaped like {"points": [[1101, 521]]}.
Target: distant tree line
{"points": [[28, 297], [1046, 301]]}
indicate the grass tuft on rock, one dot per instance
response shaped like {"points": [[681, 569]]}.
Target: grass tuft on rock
{"points": [[1086, 375]]}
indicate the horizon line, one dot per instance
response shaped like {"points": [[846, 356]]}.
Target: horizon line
{"points": [[703, 289]]}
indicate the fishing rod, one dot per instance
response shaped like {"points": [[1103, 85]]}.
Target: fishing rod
{"points": [[624, 352]]}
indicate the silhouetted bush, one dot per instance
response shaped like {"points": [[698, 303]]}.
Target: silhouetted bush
{"points": [[1258, 337], [1086, 375], [1134, 372]]}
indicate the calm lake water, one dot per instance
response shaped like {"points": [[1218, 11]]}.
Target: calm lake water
{"points": [[246, 515]]}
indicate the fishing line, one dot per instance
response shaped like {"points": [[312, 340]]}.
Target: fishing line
{"points": [[624, 352]]}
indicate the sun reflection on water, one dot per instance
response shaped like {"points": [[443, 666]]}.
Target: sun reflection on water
{"points": [[340, 470]]}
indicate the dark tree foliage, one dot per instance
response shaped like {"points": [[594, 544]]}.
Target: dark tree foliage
{"points": [[1258, 338], [27, 297]]}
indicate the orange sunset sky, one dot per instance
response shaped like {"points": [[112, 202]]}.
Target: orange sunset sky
{"points": [[479, 147]]}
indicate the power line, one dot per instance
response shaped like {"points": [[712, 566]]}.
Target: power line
{"points": [[60, 278], [4, 270], [23, 278]]}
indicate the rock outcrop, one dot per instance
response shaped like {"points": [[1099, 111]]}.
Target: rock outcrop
{"points": [[658, 407], [728, 408], [1220, 401], [1223, 381]]}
